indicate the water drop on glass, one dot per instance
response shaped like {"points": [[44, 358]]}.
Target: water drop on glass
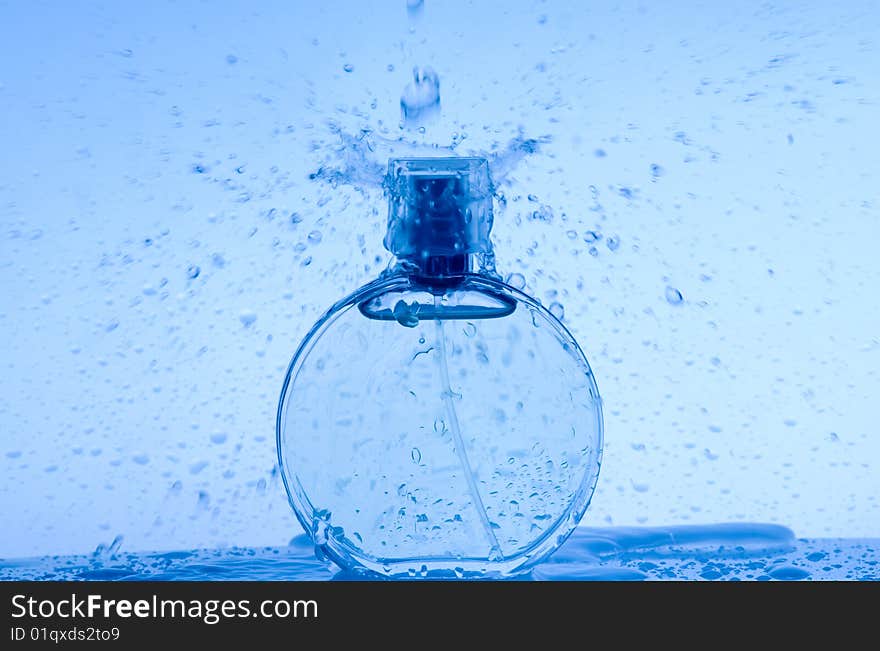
{"points": [[218, 438], [247, 318], [315, 237], [673, 296], [557, 310], [517, 281]]}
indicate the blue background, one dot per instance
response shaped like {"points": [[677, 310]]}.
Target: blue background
{"points": [[163, 249]]}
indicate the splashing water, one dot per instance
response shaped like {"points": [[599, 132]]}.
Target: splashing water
{"points": [[420, 102], [360, 160], [731, 551]]}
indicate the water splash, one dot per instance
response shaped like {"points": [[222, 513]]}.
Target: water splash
{"points": [[420, 102], [728, 551], [360, 160]]}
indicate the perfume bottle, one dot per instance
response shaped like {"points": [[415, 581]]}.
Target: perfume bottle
{"points": [[438, 422]]}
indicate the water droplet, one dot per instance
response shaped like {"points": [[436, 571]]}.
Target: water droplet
{"points": [[405, 315], [315, 237], [414, 8], [416, 455], [657, 171], [557, 310], [348, 67], [470, 329], [247, 318], [517, 281], [613, 242], [592, 236], [197, 467], [673, 296], [218, 437], [193, 271], [638, 487], [420, 102], [788, 573]]}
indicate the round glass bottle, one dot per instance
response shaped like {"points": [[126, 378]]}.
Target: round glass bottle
{"points": [[438, 422]]}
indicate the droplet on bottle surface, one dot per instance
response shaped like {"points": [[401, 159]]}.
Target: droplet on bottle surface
{"points": [[673, 296], [420, 102], [517, 281], [470, 329], [193, 271], [348, 67], [416, 455], [315, 237], [592, 236], [557, 310], [405, 315], [613, 242]]}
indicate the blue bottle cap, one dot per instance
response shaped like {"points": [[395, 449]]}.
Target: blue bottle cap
{"points": [[438, 208]]}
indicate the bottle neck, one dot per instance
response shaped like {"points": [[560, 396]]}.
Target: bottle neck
{"points": [[444, 271], [441, 266]]}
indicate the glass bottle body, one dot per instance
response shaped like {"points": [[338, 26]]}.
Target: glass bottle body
{"points": [[432, 429]]}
